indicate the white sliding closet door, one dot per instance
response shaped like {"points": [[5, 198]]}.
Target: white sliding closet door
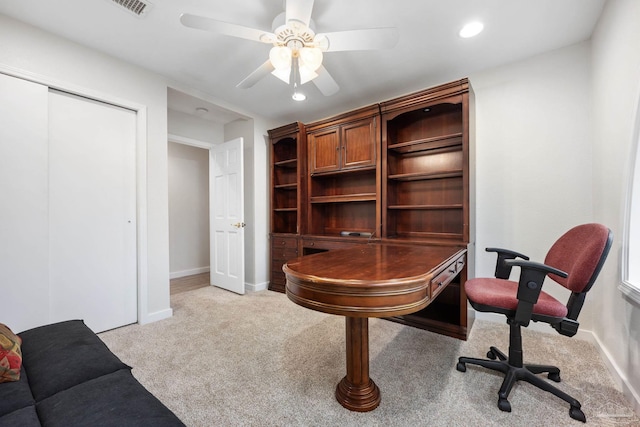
{"points": [[24, 224], [92, 212]]}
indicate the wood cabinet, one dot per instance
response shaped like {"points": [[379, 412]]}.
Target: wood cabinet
{"points": [[343, 185], [396, 172], [344, 142], [288, 159]]}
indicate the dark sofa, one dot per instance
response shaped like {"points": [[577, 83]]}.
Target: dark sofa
{"points": [[70, 378]]}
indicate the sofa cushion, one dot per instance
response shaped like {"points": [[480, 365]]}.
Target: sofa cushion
{"points": [[15, 395], [116, 399], [62, 355], [10, 355], [25, 417]]}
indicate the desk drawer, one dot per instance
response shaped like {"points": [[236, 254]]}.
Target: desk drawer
{"points": [[284, 242], [327, 245], [284, 254], [446, 276]]}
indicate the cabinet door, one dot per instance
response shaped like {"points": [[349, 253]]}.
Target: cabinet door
{"points": [[359, 144], [325, 150]]}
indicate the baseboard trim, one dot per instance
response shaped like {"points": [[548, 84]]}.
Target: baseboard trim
{"points": [[156, 316], [619, 377], [190, 272], [257, 287]]}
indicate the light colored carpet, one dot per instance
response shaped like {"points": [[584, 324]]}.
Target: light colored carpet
{"points": [[260, 360]]}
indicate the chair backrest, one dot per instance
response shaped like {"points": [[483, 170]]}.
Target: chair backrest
{"points": [[581, 253]]}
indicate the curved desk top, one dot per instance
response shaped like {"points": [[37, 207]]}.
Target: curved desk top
{"points": [[370, 280], [373, 280]]}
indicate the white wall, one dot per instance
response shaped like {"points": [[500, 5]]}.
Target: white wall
{"points": [[28, 51], [192, 127], [188, 210], [533, 156], [616, 89]]}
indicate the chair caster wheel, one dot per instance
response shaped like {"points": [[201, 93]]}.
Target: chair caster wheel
{"points": [[491, 355], [577, 414], [504, 405], [461, 367], [554, 377]]}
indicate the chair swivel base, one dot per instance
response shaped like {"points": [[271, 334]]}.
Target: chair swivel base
{"points": [[526, 373]]}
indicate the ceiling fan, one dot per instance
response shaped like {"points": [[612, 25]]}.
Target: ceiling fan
{"points": [[297, 52]]}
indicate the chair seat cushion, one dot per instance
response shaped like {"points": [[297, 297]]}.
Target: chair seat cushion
{"points": [[502, 294]]}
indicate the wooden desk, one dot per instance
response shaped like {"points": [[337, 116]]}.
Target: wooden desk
{"points": [[369, 281]]}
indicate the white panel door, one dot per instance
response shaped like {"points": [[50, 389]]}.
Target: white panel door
{"points": [[24, 255], [227, 216], [92, 212]]}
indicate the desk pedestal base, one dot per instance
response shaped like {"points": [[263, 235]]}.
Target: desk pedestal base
{"points": [[356, 391]]}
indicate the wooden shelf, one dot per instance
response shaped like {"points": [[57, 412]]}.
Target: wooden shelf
{"points": [[290, 163], [293, 186], [344, 198], [429, 175], [285, 209], [426, 207], [367, 169], [427, 144]]}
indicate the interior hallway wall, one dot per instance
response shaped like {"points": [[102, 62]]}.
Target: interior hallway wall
{"points": [[188, 210]]}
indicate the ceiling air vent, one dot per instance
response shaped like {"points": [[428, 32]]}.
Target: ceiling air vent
{"points": [[136, 7]]}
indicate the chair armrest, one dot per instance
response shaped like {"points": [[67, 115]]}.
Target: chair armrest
{"points": [[532, 276], [503, 271]]}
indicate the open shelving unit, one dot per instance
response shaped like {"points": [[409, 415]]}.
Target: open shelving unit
{"points": [[287, 160], [425, 187]]}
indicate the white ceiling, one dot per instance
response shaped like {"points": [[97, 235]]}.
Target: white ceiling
{"points": [[429, 50]]}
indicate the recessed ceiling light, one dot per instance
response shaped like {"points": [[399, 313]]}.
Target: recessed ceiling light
{"points": [[298, 96], [471, 29], [201, 110]]}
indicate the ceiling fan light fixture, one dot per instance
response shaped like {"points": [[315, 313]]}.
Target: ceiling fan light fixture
{"points": [[311, 58], [280, 57], [297, 95], [282, 73]]}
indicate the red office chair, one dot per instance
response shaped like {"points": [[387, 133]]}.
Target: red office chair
{"points": [[574, 261]]}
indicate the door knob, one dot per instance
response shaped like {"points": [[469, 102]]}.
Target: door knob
{"points": [[239, 224]]}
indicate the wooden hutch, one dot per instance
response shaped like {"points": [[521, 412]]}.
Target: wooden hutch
{"points": [[396, 172]]}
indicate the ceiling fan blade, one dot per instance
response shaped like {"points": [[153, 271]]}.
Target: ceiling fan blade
{"points": [[258, 74], [325, 83], [368, 39], [299, 10], [219, 27]]}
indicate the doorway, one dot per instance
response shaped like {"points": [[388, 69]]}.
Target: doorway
{"points": [[189, 242]]}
